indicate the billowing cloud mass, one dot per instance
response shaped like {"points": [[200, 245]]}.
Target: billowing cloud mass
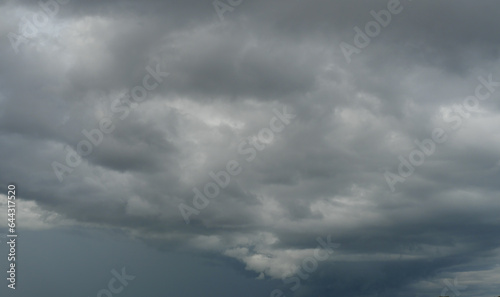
{"points": [[251, 131]]}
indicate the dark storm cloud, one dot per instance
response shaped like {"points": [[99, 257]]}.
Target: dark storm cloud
{"points": [[323, 174]]}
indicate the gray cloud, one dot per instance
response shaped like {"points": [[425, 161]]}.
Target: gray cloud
{"points": [[322, 175]]}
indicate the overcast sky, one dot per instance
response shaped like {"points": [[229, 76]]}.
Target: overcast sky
{"points": [[224, 148]]}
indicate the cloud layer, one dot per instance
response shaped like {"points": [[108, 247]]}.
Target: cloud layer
{"points": [[324, 174]]}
